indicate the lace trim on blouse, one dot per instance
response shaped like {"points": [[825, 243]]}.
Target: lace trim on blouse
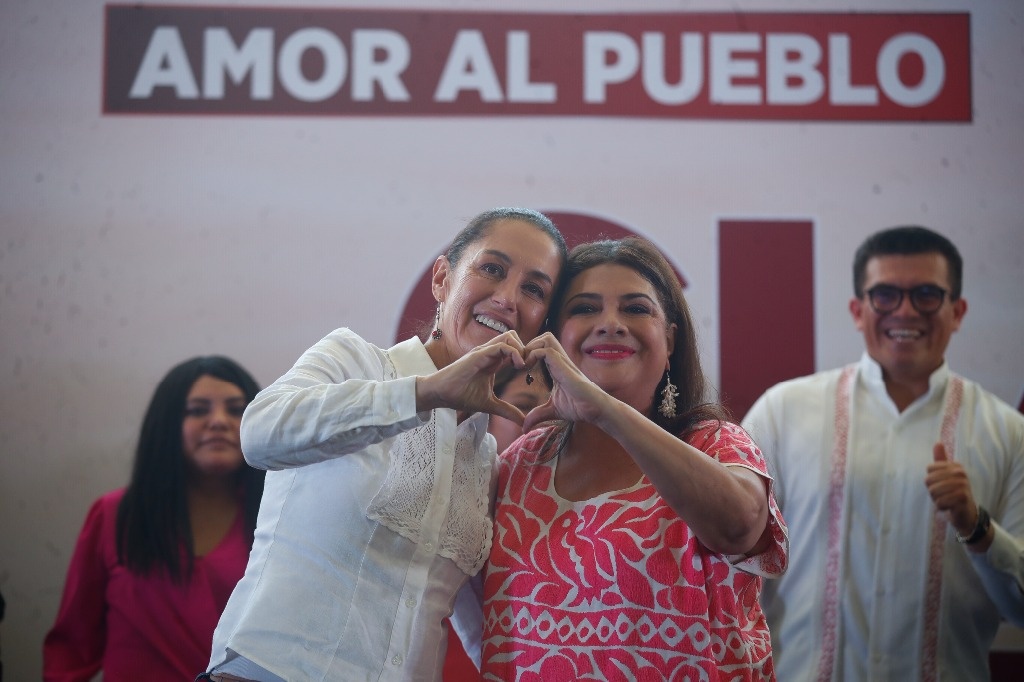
{"points": [[404, 498]]}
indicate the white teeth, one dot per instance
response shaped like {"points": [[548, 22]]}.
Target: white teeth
{"points": [[492, 323], [903, 334]]}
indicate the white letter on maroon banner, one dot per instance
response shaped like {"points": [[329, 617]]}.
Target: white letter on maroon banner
{"points": [[165, 47], [840, 88], [289, 64], [518, 84], [597, 72], [255, 55], [387, 72], [889, 69], [725, 66], [469, 67], [691, 68], [781, 69]]}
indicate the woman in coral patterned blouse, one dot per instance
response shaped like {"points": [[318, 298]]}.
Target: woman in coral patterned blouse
{"points": [[631, 534]]}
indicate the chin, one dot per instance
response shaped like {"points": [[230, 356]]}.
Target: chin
{"points": [[221, 468], [627, 394]]}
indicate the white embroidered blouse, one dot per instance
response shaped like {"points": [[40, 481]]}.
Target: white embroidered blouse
{"points": [[373, 517]]}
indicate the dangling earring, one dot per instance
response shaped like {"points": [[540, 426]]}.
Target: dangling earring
{"points": [[668, 398], [436, 334]]}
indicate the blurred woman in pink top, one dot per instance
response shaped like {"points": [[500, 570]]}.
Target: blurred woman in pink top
{"points": [[156, 562]]}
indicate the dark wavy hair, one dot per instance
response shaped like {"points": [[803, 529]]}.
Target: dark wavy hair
{"points": [[692, 404], [908, 240], [152, 518]]}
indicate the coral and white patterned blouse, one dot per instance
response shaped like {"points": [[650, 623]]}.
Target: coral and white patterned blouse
{"points": [[617, 587]]}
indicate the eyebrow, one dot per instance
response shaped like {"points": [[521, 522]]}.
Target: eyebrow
{"points": [[502, 256], [625, 297], [897, 286], [200, 399]]}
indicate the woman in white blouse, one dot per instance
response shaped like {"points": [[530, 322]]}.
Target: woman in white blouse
{"points": [[376, 507]]}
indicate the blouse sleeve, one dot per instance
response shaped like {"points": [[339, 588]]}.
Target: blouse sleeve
{"points": [[340, 397], [1001, 567], [467, 617], [73, 648], [731, 446]]}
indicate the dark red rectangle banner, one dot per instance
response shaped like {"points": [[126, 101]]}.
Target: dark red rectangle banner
{"points": [[764, 260], [336, 62]]}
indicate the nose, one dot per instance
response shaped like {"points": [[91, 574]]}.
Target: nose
{"points": [[610, 323], [506, 293], [219, 418]]}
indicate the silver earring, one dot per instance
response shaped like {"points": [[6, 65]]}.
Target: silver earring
{"points": [[668, 398], [436, 334]]}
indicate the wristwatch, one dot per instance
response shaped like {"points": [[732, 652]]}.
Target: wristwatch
{"points": [[980, 528]]}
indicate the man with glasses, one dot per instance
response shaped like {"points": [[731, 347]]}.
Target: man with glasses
{"points": [[902, 484]]}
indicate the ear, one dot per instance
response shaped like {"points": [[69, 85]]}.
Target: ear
{"points": [[959, 310], [439, 278], [857, 312]]}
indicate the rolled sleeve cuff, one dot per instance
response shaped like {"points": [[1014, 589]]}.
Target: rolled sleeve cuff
{"points": [[397, 403], [1004, 554]]}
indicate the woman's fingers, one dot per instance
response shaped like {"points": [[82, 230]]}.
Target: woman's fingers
{"points": [[500, 408], [468, 383], [573, 396], [542, 413], [545, 340], [508, 345]]}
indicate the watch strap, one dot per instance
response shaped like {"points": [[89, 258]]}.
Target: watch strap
{"points": [[980, 528]]}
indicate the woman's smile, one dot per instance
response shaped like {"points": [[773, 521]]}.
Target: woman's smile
{"points": [[607, 351]]}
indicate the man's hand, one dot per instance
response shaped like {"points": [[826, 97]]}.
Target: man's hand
{"points": [[950, 491]]}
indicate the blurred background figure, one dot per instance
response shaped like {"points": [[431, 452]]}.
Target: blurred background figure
{"points": [[904, 482], [156, 562], [526, 390]]}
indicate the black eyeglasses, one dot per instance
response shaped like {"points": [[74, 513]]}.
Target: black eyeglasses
{"points": [[926, 298]]}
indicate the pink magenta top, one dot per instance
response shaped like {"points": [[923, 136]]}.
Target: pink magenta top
{"points": [[137, 627]]}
